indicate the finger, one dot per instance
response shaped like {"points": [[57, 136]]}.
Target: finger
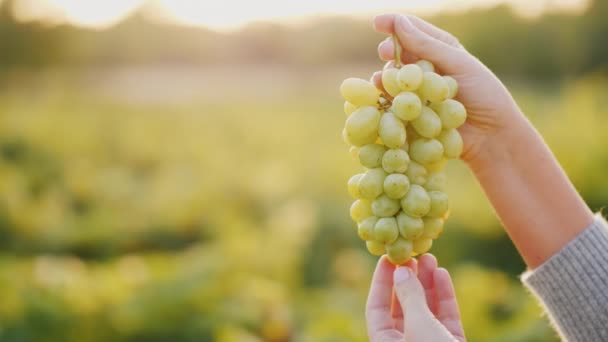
{"points": [[444, 56], [385, 23], [420, 324], [396, 310], [386, 52], [447, 308], [377, 311], [426, 269], [377, 81], [434, 31]]}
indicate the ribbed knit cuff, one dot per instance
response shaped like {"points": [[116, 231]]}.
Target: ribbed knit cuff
{"points": [[573, 285]]}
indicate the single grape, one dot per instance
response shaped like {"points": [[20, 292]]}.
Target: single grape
{"points": [[428, 123], [434, 88], [386, 230], [436, 181], [395, 161], [410, 227], [371, 155], [409, 77], [439, 204], [392, 130], [426, 151], [362, 126], [437, 166], [452, 86], [360, 210], [354, 152], [452, 143], [384, 206], [407, 106], [365, 229], [389, 81], [371, 184], [416, 202], [349, 108], [426, 66], [353, 185], [451, 112], [416, 173], [433, 227], [375, 247], [396, 185], [422, 245], [399, 251], [345, 137], [359, 92]]}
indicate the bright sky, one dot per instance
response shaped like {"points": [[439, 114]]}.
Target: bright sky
{"points": [[232, 14]]}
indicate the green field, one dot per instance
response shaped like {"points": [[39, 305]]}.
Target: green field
{"points": [[205, 204]]}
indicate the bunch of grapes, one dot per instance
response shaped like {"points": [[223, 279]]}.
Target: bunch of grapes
{"points": [[403, 137]]}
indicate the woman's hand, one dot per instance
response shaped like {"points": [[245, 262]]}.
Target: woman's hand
{"points": [[532, 195], [424, 308], [491, 109]]}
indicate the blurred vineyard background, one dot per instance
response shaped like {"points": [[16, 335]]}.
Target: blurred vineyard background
{"points": [[171, 183]]}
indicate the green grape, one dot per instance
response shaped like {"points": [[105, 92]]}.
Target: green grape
{"points": [[416, 173], [452, 143], [375, 247], [392, 130], [389, 81], [384, 206], [433, 227], [399, 251], [353, 185], [359, 92], [365, 229], [386, 230], [439, 204], [349, 108], [437, 166], [416, 202], [360, 210], [436, 181], [354, 152], [428, 123], [370, 155], [451, 112], [371, 183], [426, 151], [426, 66], [362, 126], [434, 88], [410, 227], [410, 77], [406, 145], [422, 245], [345, 137], [407, 106], [452, 86], [395, 161], [396, 185]]}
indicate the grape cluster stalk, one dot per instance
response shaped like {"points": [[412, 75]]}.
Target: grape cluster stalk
{"points": [[403, 136]]}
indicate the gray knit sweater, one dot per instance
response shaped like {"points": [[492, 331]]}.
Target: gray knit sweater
{"points": [[573, 285]]}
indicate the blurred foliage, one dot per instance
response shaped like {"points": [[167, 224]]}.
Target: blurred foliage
{"points": [[207, 202]]}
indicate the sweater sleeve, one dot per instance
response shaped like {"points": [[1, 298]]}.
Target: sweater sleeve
{"points": [[573, 285]]}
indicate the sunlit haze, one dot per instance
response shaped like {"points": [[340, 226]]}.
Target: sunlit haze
{"points": [[233, 14]]}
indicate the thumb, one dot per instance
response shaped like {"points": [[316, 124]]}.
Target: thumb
{"points": [[419, 322], [419, 43]]}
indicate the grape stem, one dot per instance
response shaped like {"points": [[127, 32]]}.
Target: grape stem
{"points": [[397, 51]]}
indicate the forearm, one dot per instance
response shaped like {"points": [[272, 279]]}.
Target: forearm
{"points": [[537, 204]]}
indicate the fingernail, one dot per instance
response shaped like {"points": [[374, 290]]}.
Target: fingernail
{"points": [[401, 274]]}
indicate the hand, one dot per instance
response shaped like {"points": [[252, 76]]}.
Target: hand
{"points": [[425, 307], [490, 107]]}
